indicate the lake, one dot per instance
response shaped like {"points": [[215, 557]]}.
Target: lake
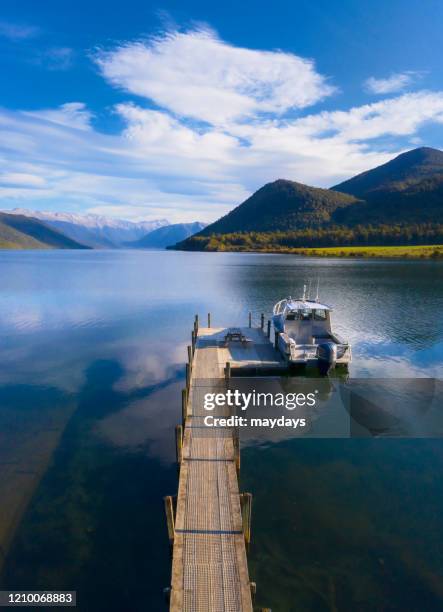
{"points": [[92, 353]]}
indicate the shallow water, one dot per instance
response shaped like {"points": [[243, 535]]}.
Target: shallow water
{"points": [[92, 352]]}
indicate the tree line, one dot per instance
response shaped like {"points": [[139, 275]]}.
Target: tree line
{"points": [[332, 236]]}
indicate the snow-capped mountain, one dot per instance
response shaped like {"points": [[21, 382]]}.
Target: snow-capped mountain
{"points": [[96, 231], [167, 236]]}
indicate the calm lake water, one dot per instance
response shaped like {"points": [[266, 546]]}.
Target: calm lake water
{"points": [[92, 352]]}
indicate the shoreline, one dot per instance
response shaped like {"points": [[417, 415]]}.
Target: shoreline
{"points": [[433, 252]]}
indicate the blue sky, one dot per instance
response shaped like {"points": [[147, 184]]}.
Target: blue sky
{"points": [[181, 109]]}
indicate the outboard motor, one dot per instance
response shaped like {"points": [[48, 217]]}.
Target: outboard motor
{"points": [[327, 356]]}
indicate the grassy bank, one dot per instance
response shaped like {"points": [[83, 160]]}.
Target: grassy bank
{"points": [[14, 246], [420, 251]]}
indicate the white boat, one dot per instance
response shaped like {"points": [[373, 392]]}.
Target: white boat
{"points": [[305, 336]]}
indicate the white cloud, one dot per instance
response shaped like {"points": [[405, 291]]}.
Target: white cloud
{"points": [[398, 116], [21, 179], [73, 115], [326, 147], [195, 74], [394, 83], [17, 31]]}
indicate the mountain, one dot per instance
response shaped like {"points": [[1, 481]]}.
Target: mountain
{"points": [[95, 231], [400, 202], [407, 189], [20, 232], [166, 236], [399, 174], [282, 205]]}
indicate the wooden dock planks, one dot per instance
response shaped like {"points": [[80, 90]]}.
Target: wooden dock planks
{"points": [[209, 568]]}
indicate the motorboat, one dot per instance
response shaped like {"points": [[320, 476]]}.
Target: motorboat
{"points": [[304, 334]]}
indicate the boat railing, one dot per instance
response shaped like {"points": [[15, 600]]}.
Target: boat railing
{"points": [[279, 307]]}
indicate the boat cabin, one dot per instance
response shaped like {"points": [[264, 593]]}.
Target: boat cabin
{"points": [[305, 321]]}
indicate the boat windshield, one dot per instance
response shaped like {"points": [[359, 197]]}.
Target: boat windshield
{"points": [[299, 315], [320, 315]]}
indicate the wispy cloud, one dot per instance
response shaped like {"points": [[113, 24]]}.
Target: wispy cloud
{"points": [[21, 179], [195, 74], [73, 115], [56, 58], [394, 83], [17, 31]]}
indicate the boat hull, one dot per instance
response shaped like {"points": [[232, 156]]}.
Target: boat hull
{"points": [[308, 354]]}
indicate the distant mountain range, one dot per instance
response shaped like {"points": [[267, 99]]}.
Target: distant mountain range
{"points": [[400, 202], [167, 235], [21, 232], [95, 231], [29, 229]]}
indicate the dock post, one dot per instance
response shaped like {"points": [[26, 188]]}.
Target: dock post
{"points": [[167, 594], [179, 443], [236, 444], [269, 329], [250, 319], [253, 587], [196, 324], [190, 355], [169, 510], [209, 319], [193, 341], [188, 376], [262, 323], [246, 510], [228, 370], [276, 340], [184, 405]]}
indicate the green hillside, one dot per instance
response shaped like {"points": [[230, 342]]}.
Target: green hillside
{"points": [[13, 239], [398, 203], [282, 205], [20, 232], [397, 175], [407, 189]]}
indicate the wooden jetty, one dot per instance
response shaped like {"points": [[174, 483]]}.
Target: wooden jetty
{"points": [[209, 522]]}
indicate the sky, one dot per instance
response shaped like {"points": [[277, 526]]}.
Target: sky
{"points": [[181, 110]]}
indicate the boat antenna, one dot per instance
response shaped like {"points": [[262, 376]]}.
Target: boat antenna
{"points": [[309, 290], [318, 286], [304, 292]]}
